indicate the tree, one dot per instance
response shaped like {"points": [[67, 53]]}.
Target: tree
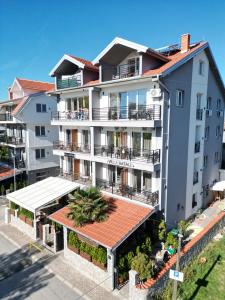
{"points": [[4, 153], [182, 227], [162, 230], [146, 246], [171, 240], [87, 206], [143, 266]]}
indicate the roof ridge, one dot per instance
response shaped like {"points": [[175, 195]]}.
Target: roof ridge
{"points": [[18, 78]]}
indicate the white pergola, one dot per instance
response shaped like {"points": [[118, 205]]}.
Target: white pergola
{"points": [[37, 195]]}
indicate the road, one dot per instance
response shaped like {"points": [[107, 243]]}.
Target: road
{"points": [[33, 282]]}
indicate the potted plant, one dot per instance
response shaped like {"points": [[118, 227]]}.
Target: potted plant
{"points": [[99, 257], [85, 251], [74, 242]]}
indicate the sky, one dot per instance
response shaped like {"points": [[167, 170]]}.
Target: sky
{"points": [[34, 35]]}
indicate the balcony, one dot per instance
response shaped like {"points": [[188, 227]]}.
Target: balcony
{"points": [[120, 72], [145, 196], [6, 117], [195, 177], [197, 147], [79, 115], [71, 147], [69, 82], [199, 114], [142, 112], [150, 156], [79, 178], [12, 140]]}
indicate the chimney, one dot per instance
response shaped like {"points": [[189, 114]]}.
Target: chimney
{"points": [[10, 94], [185, 42]]}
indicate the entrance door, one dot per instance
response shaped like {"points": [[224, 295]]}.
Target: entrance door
{"points": [[74, 136], [124, 177], [76, 168]]}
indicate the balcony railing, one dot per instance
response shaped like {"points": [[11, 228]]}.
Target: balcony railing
{"points": [[197, 147], [72, 147], [6, 117], [195, 177], [12, 140], [142, 195], [82, 114], [151, 156], [75, 177], [121, 71], [142, 112], [199, 114], [68, 82]]}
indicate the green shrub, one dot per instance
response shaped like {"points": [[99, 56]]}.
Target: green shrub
{"points": [[28, 214], [143, 266], [171, 240], [182, 227], [129, 257], [102, 255], [14, 205], [73, 239], [162, 231], [94, 253], [146, 246]]}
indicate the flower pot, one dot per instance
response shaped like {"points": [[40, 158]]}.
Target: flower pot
{"points": [[85, 255], [74, 249], [98, 264], [22, 218], [29, 222]]}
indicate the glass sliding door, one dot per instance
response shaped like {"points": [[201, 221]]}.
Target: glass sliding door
{"points": [[136, 141], [147, 138], [137, 181], [147, 181], [123, 106], [141, 99]]}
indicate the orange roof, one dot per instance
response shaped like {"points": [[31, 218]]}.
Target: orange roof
{"points": [[88, 64], [174, 58], [123, 218], [5, 172], [35, 85], [20, 104]]}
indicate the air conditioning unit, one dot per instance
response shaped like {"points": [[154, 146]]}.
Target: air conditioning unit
{"points": [[155, 93], [208, 112]]}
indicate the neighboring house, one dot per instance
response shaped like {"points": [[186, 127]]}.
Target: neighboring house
{"points": [[26, 116], [144, 125]]}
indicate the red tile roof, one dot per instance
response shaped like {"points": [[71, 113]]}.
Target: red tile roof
{"points": [[35, 85], [88, 64], [174, 58], [19, 105], [123, 218], [5, 172]]}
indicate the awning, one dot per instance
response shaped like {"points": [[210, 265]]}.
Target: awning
{"points": [[124, 218], [41, 193], [219, 186]]}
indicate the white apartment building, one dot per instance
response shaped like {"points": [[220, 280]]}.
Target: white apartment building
{"points": [[29, 136], [133, 122]]}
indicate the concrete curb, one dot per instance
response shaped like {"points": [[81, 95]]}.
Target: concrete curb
{"points": [[34, 259]]}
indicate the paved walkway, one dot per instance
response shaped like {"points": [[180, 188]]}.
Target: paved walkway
{"points": [[205, 217], [86, 288]]}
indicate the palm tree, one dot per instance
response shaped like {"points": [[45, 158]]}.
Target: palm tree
{"points": [[87, 206]]}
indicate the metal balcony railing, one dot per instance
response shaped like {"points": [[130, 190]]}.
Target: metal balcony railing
{"points": [[82, 114], [195, 177], [68, 82], [197, 147], [6, 116], [12, 140], [123, 152], [142, 195], [199, 114], [75, 177], [141, 112], [120, 71], [72, 147]]}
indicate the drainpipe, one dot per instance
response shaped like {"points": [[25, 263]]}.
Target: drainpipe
{"points": [[165, 147]]}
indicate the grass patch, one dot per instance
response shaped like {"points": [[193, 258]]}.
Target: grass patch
{"points": [[203, 277]]}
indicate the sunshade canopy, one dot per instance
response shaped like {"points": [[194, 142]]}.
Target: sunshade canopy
{"points": [[219, 186], [41, 193]]}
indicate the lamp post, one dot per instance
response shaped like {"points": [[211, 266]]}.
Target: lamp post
{"points": [[14, 171], [177, 265]]}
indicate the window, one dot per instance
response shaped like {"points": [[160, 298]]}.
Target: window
{"points": [[209, 103], [205, 161], [41, 108], [218, 104], [206, 133], [217, 131], [194, 202], [205, 191], [201, 67], [199, 100], [40, 130], [39, 153], [179, 98], [216, 157]]}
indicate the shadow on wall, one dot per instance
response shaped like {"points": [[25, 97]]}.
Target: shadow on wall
{"points": [[19, 278]]}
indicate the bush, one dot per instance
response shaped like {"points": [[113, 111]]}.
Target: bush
{"points": [[73, 239], [143, 266], [14, 205], [28, 214], [182, 227], [146, 247], [171, 240], [162, 231], [102, 255]]}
